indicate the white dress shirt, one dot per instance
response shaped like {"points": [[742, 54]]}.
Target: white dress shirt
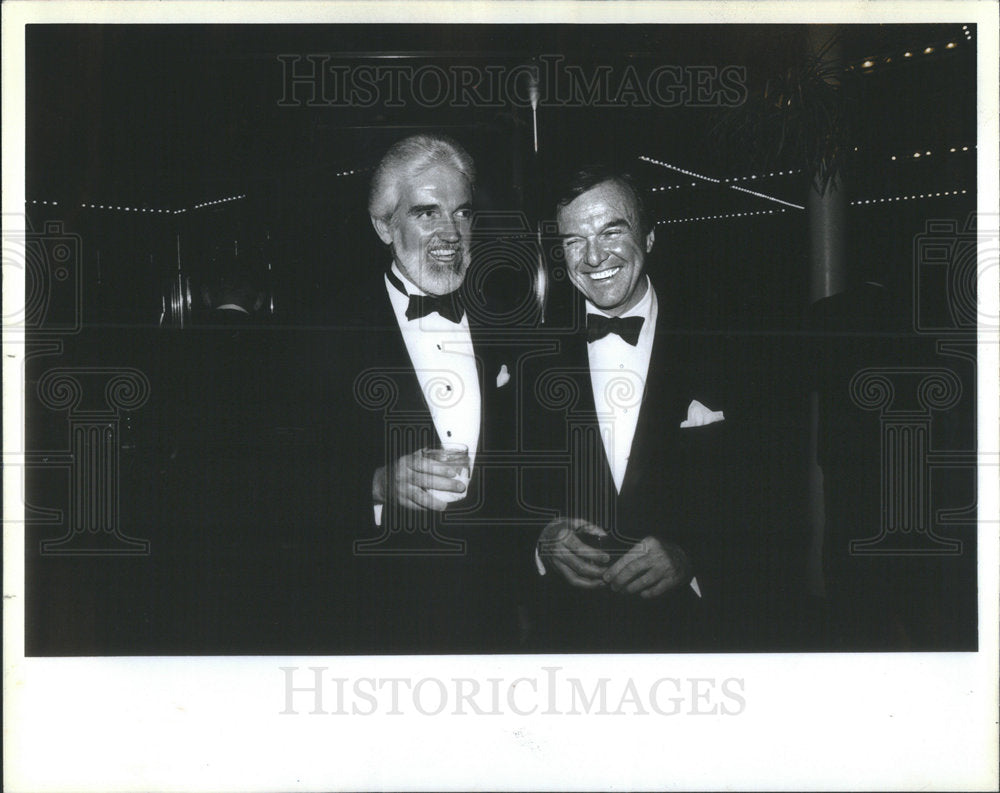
{"points": [[444, 361], [618, 378], [618, 374]]}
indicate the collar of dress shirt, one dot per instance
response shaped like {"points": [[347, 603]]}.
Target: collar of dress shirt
{"points": [[400, 301], [411, 288], [644, 308]]}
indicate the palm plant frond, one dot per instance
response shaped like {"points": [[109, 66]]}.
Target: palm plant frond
{"points": [[800, 119]]}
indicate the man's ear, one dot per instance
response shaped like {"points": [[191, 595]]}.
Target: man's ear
{"points": [[382, 229], [650, 239]]}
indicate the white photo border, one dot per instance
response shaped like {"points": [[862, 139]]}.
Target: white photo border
{"points": [[794, 722]]}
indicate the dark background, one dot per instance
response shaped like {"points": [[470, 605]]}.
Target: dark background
{"points": [[218, 468]]}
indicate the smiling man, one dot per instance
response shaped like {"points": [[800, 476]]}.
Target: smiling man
{"points": [[423, 397], [635, 560], [426, 218], [421, 208], [605, 242]]}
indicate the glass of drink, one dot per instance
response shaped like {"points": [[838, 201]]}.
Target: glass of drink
{"points": [[456, 455]]}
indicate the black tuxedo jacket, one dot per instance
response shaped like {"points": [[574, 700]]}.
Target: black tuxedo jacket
{"points": [[681, 485], [426, 581]]}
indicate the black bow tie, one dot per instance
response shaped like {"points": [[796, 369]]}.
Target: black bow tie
{"points": [[628, 328], [448, 306]]}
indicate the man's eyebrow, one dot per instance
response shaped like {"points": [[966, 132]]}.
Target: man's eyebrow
{"points": [[616, 222], [609, 225], [419, 209]]}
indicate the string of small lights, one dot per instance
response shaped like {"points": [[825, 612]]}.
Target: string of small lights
{"points": [[115, 207], [792, 171], [747, 178], [667, 165], [764, 195], [912, 197], [873, 62], [670, 167], [762, 175], [721, 216], [144, 210], [928, 153], [202, 205], [217, 201]]}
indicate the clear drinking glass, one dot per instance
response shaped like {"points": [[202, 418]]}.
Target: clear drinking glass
{"points": [[455, 454]]}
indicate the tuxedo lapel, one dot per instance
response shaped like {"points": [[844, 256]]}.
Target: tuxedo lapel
{"points": [[592, 485], [432, 581], [484, 365], [392, 354], [659, 417], [656, 429]]}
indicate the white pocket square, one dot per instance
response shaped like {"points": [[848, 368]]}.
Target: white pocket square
{"points": [[503, 376], [699, 415]]}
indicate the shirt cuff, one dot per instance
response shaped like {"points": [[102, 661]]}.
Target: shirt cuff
{"points": [[539, 564]]}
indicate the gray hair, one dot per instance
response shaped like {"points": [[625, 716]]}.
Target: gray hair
{"points": [[407, 158]]}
